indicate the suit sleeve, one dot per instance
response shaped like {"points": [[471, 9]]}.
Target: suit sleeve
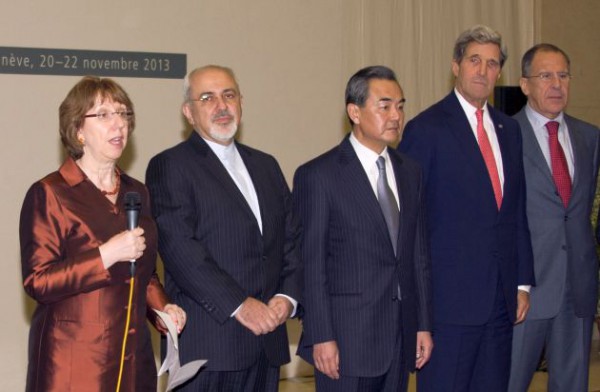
{"points": [[290, 279], [312, 204], [191, 266], [525, 272], [50, 275], [423, 267]]}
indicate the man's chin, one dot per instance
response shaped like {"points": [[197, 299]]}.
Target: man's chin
{"points": [[223, 134]]}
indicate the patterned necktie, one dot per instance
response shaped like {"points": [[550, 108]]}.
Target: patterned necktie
{"points": [[488, 157], [558, 162], [387, 202]]}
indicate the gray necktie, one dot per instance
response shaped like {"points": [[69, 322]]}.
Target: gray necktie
{"points": [[387, 202]]}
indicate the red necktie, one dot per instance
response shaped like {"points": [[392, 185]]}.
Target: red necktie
{"points": [[488, 157], [558, 162]]}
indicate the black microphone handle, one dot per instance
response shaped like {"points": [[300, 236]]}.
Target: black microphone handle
{"points": [[132, 219]]}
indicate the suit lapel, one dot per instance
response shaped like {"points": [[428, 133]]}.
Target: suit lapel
{"points": [[579, 150], [531, 147], [263, 188], [355, 183], [220, 175], [458, 125], [401, 186]]}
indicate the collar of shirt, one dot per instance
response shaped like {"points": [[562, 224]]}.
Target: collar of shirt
{"points": [[368, 159], [224, 153], [538, 123], [489, 128]]}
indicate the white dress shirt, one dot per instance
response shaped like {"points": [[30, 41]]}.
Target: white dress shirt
{"points": [[488, 125], [538, 123], [368, 160]]}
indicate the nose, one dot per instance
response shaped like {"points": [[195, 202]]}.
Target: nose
{"points": [[220, 103], [482, 70], [555, 81], [119, 121]]}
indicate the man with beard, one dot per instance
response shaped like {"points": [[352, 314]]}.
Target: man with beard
{"points": [[228, 241], [472, 163]]}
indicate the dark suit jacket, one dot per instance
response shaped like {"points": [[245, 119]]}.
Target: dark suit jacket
{"points": [[563, 241], [214, 254], [474, 247], [351, 273]]}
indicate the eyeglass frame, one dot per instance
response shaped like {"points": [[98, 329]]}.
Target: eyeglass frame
{"points": [[209, 98], [125, 115], [549, 76]]}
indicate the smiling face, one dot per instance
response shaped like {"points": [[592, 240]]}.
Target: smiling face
{"points": [[104, 139], [214, 107], [379, 121], [477, 72], [549, 97]]}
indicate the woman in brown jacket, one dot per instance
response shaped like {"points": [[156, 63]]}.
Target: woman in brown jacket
{"points": [[76, 253]]}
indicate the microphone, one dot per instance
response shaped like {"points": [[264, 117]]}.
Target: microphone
{"points": [[133, 205]]}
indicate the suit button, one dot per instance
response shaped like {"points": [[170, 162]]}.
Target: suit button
{"points": [[566, 218], [564, 247]]}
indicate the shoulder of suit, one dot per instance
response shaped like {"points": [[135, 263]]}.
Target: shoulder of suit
{"points": [[324, 159], [404, 160], [244, 149], [583, 125]]}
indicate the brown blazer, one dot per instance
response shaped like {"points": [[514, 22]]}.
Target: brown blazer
{"points": [[77, 328]]}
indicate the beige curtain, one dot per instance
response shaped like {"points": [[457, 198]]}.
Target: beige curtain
{"points": [[416, 37]]}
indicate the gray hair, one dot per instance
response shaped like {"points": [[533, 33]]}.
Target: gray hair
{"points": [[187, 83], [482, 35], [530, 54]]}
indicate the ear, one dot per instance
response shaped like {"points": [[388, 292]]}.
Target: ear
{"points": [[353, 112], [185, 109], [455, 68], [524, 83]]}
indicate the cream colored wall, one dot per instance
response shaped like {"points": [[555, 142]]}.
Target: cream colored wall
{"points": [[292, 59], [287, 56]]}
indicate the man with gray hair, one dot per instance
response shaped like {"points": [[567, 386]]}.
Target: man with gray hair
{"points": [[228, 240], [561, 155], [481, 255]]}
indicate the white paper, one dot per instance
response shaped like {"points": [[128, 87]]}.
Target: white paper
{"points": [[177, 374]]}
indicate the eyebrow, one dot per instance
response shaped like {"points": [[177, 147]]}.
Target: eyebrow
{"points": [[386, 99], [227, 90]]}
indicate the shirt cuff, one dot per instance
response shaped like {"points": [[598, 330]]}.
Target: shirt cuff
{"points": [[525, 288], [293, 302]]}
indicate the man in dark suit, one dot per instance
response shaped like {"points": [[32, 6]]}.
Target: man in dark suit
{"points": [[561, 157], [228, 241], [479, 240], [367, 279]]}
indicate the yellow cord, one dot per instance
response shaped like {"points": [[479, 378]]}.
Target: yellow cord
{"points": [[131, 281]]}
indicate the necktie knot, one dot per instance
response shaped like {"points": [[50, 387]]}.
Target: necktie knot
{"points": [[380, 164], [552, 127], [479, 115]]}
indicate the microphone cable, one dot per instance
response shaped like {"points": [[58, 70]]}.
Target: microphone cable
{"points": [[127, 322], [132, 209]]}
